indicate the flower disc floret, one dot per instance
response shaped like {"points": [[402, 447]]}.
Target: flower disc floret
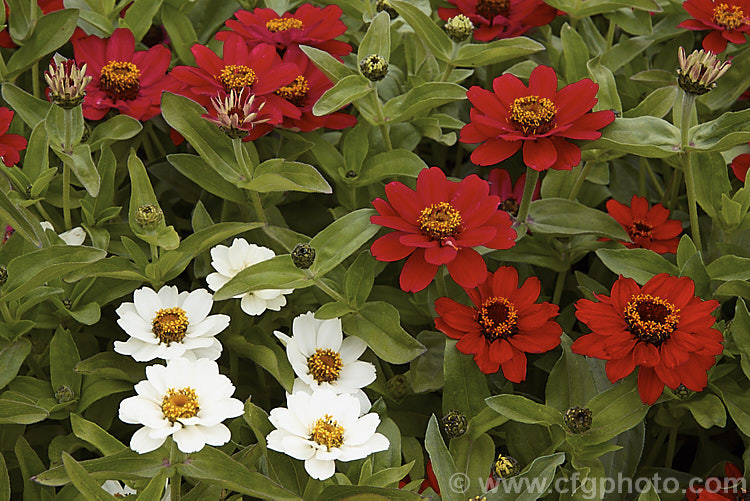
{"points": [[725, 20], [120, 80], [440, 221], [325, 365], [180, 404], [729, 16], [498, 318], [326, 431], [650, 318], [236, 77], [296, 92], [500, 18], [647, 227], [491, 8], [283, 24], [533, 115], [170, 325]]}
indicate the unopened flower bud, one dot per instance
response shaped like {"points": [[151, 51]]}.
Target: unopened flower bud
{"points": [[455, 424], [235, 113], [682, 392], [67, 83], [578, 419], [385, 5], [505, 467], [398, 386], [148, 217], [478, 498], [3, 274], [374, 67], [699, 71], [459, 28], [64, 394], [303, 256]]}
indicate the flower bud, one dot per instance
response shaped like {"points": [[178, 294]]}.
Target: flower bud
{"points": [[578, 419], [398, 386], [385, 5], [235, 113], [699, 71], [148, 217], [505, 467], [682, 392], [459, 28], [478, 498], [454, 424], [3, 274], [64, 394], [67, 83], [374, 67], [303, 256]]}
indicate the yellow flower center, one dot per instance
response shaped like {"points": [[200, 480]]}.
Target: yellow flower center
{"points": [[296, 92], [488, 9], [640, 229], [180, 404], [120, 80], [327, 432], [510, 205], [236, 77], [439, 221], [650, 318], [325, 365], [170, 325], [729, 16], [532, 115], [283, 24], [498, 318]]}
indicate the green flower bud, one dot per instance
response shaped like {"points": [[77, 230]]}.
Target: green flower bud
{"points": [[3, 274], [505, 467], [374, 67], [459, 28], [303, 256], [699, 71], [455, 423], [67, 83], [398, 386], [148, 217], [682, 392], [385, 5], [578, 419], [64, 394]]}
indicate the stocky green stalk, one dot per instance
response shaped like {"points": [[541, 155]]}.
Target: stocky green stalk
{"points": [[247, 173], [381, 118], [532, 176], [175, 479], [68, 149], [688, 104], [580, 179]]}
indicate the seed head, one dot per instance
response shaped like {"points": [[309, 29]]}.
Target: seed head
{"points": [[505, 467], [148, 217], [398, 386], [459, 28], [385, 5], [303, 256], [374, 67], [455, 424], [3, 274], [578, 419], [64, 394]]}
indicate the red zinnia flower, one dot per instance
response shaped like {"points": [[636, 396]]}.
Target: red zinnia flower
{"points": [[717, 489], [510, 194], [309, 25], [439, 224], [123, 78], [501, 18], [661, 327], [728, 20], [260, 69], [504, 324], [539, 117], [740, 165], [647, 228], [429, 481], [10, 144]]}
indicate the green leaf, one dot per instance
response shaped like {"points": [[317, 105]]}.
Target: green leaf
{"points": [[202, 174], [181, 32], [16, 412], [329, 65], [377, 40], [390, 164], [140, 15], [4, 480], [333, 309], [51, 32], [521, 409], [367, 493], [575, 54], [736, 400], [343, 92], [359, 279], [155, 488], [378, 324], [730, 129], [341, 239], [475, 55], [83, 481], [656, 104], [740, 330], [21, 220], [707, 410], [111, 365], [571, 381], [711, 182], [422, 98], [559, 216], [643, 136], [616, 410], [609, 98], [442, 461], [84, 169], [729, 267], [278, 174], [276, 273], [649, 494], [427, 31], [63, 357], [32, 110], [266, 353], [117, 128], [638, 264], [12, 356], [95, 435], [465, 385], [592, 7], [22, 22]]}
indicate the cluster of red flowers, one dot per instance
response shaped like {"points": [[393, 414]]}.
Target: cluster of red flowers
{"points": [[501, 18]]}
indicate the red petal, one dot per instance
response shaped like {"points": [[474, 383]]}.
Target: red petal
{"points": [[650, 387], [468, 269], [494, 151], [388, 248], [514, 369], [540, 154], [439, 254], [416, 273], [543, 82]]}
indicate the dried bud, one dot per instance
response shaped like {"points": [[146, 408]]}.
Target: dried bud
{"points": [[398, 386], [578, 419], [459, 28], [235, 113], [64, 394], [385, 5], [67, 303], [699, 71], [374, 67], [454, 424], [682, 392], [3, 274], [505, 467], [303, 256], [148, 217], [67, 83]]}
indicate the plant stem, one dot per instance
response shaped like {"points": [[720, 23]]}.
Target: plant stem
{"points": [[449, 66], [532, 176], [6, 313], [382, 125], [611, 34], [580, 179], [68, 149], [440, 283], [642, 177], [671, 445], [654, 180], [688, 103], [559, 285], [42, 211], [175, 479], [35, 80], [239, 156], [258, 206], [154, 253]]}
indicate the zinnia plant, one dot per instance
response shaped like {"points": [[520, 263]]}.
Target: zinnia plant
{"points": [[648, 228]]}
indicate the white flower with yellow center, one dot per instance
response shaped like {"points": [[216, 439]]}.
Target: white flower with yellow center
{"points": [[322, 358], [187, 399], [170, 324], [323, 427], [117, 489], [228, 261], [76, 236]]}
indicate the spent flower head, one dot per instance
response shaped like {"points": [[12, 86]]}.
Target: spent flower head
{"points": [[303, 256], [67, 82], [699, 71], [386, 6], [149, 216], [236, 112], [459, 28], [578, 419], [374, 67], [455, 423]]}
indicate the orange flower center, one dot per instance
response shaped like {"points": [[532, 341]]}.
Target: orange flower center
{"points": [[120, 80], [640, 229], [651, 318], [236, 77], [488, 9], [325, 365], [440, 221], [327, 432], [729, 16], [498, 318], [296, 92], [180, 404], [510, 205], [532, 115], [170, 325], [283, 24]]}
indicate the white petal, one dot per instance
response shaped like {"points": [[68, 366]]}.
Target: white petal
{"points": [[190, 439], [138, 410], [362, 430], [140, 351], [304, 333], [351, 349], [377, 443], [135, 326], [210, 352], [216, 281], [76, 236], [141, 442], [215, 435], [297, 447], [282, 337], [147, 302], [329, 335], [276, 304], [267, 293], [357, 374], [220, 260], [198, 305], [252, 304], [210, 326], [364, 402], [320, 469], [169, 296]]}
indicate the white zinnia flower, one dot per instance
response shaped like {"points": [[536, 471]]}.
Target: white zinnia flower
{"points": [[117, 489], [322, 427], [76, 236], [228, 261], [170, 325], [187, 399], [321, 358]]}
